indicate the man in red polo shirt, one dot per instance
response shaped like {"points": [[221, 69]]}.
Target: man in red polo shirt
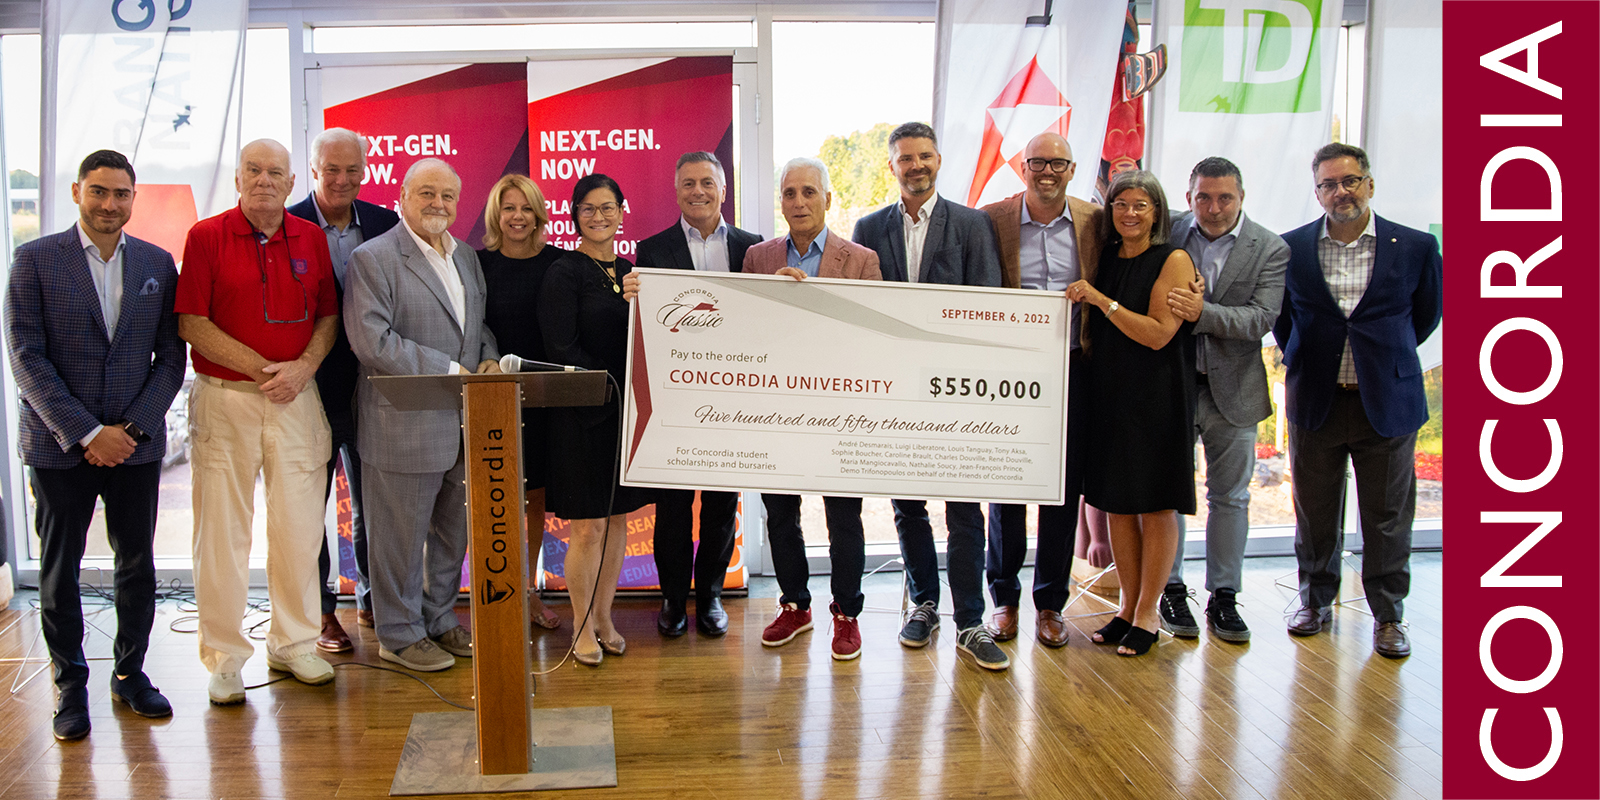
{"points": [[257, 303]]}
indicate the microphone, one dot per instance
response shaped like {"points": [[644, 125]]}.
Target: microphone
{"points": [[514, 363]]}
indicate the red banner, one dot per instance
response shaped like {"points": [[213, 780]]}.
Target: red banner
{"points": [[631, 124], [471, 117], [1521, 659]]}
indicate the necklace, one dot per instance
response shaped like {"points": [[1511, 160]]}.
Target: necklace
{"points": [[616, 288]]}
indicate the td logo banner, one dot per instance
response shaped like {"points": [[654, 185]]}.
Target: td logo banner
{"points": [[1251, 56]]}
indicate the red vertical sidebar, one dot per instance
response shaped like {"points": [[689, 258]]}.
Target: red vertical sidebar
{"points": [[1521, 661]]}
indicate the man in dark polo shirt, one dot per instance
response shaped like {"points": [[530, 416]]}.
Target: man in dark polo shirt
{"points": [[256, 301]]}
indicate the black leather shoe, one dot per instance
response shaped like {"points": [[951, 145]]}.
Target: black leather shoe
{"points": [[71, 722], [142, 698], [709, 616], [674, 619]]}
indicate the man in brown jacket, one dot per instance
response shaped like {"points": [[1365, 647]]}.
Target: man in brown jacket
{"points": [[1047, 240]]}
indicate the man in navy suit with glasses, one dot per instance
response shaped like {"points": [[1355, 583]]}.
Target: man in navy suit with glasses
{"points": [[94, 344]]}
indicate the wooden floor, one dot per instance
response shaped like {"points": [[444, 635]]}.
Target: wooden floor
{"points": [[696, 717]]}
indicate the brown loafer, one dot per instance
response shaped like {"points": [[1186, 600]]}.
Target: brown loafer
{"points": [[1308, 621], [333, 638], [1390, 641], [1052, 629], [363, 617], [1003, 625]]}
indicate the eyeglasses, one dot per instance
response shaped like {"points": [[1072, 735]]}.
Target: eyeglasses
{"points": [[1056, 165], [607, 210], [261, 263], [1123, 206], [1350, 184]]}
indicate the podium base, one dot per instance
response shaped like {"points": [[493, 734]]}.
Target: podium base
{"points": [[441, 754]]}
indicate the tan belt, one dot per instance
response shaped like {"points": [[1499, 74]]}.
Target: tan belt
{"points": [[1347, 387], [238, 386]]}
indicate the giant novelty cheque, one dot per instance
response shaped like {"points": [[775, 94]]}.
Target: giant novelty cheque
{"points": [[846, 388]]}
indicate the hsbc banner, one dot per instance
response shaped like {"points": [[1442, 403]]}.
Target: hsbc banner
{"points": [[1005, 76], [159, 83], [629, 119], [1251, 81]]}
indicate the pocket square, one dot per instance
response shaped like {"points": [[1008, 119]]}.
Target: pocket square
{"points": [[151, 286]]}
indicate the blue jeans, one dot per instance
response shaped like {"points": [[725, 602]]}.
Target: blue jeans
{"points": [[963, 554]]}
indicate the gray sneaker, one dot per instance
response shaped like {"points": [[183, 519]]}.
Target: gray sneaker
{"points": [[920, 625], [457, 641], [423, 656], [978, 642]]}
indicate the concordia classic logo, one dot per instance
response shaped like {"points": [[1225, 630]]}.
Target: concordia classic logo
{"points": [[1250, 56], [690, 310]]}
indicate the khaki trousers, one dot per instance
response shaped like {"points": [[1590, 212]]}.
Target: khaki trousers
{"points": [[235, 434]]}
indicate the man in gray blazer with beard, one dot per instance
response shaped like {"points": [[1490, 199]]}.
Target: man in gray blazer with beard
{"points": [[414, 304], [1243, 265]]}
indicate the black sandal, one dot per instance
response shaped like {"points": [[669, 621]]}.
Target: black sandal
{"points": [[1113, 632], [1138, 640]]}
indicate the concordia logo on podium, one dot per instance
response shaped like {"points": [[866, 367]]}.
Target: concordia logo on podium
{"points": [[493, 593]]}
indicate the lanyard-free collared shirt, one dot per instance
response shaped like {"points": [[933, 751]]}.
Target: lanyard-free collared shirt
{"points": [[341, 241], [811, 260], [1348, 269], [1048, 258], [709, 253], [915, 230]]}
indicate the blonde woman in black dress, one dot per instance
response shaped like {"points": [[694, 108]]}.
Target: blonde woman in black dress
{"points": [[1139, 460], [584, 320]]}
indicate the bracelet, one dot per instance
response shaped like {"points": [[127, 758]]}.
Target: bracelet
{"points": [[1112, 309]]}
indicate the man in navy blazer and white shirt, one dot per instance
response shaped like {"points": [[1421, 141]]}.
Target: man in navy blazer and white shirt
{"points": [[1361, 293], [1242, 265], [338, 163], [94, 344], [700, 240], [924, 239]]}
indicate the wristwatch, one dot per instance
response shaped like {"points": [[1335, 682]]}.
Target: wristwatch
{"points": [[134, 432], [1112, 309]]}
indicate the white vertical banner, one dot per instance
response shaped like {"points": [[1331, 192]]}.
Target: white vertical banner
{"points": [[1251, 81], [1006, 73], [1405, 122], [156, 80]]}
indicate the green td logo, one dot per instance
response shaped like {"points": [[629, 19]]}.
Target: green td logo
{"points": [[1251, 56]]}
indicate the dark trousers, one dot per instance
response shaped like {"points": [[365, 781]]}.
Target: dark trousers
{"points": [[344, 440], [676, 556], [1386, 493], [847, 548], [963, 556], [1058, 525], [64, 505]]}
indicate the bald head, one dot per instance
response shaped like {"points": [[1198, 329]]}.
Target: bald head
{"points": [[264, 181], [1047, 168]]}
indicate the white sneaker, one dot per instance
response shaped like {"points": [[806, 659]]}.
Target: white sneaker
{"points": [[226, 689], [305, 667]]}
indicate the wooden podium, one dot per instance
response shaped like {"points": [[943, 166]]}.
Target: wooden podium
{"points": [[498, 755]]}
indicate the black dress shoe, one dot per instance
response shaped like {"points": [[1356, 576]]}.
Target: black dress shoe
{"points": [[709, 616], [142, 698], [71, 721], [674, 619]]}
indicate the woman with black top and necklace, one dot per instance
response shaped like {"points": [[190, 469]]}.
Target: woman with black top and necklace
{"points": [[584, 321], [514, 259]]}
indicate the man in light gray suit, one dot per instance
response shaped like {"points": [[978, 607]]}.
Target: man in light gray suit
{"points": [[1243, 266], [414, 303], [924, 238]]}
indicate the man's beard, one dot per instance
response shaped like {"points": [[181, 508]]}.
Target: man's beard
{"points": [[433, 224]]}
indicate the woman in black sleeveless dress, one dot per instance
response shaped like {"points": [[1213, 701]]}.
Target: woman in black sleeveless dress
{"points": [[1139, 454], [584, 320], [514, 259]]}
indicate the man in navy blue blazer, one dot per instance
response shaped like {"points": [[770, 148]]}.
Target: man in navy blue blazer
{"points": [[1360, 294], [94, 344], [338, 164], [923, 238]]}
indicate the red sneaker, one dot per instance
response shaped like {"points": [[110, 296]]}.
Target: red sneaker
{"points": [[846, 635], [791, 622]]}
